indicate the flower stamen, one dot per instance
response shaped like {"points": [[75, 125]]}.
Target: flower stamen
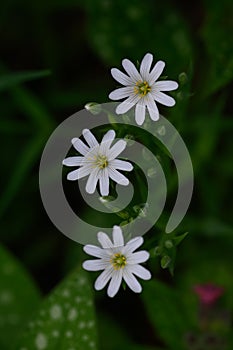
{"points": [[101, 161], [118, 261], [142, 88]]}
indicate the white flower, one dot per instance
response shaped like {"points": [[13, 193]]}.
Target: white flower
{"points": [[98, 161], [118, 262], [142, 88]]}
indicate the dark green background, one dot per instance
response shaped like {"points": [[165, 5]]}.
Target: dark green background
{"points": [[55, 57]]}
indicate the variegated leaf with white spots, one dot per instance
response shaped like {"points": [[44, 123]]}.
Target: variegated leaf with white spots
{"points": [[18, 298], [66, 319]]}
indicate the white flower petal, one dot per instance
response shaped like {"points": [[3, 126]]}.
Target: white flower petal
{"points": [[109, 136], [117, 177], [104, 240], [166, 85], [152, 108], [107, 141], [138, 257], [140, 112], [131, 70], [95, 251], [79, 173], [80, 146], [121, 165], [121, 77], [104, 182], [115, 283], [95, 265], [103, 278], [73, 161], [164, 99], [145, 66], [126, 105], [118, 238], [92, 181], [90, 138], [156, 72], [132, 245], [118, 94], [116, 149], [139, 271], [131, 281]]}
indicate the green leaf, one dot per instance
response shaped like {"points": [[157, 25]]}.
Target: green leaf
{"points": [[166, 312], [18, 297], [66, 318], [9, 80], [179, 238]]}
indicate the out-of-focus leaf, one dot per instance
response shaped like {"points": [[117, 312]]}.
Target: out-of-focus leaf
{"points": [[32, 108], [66, 318], [18, 297], [131, 38], [218, 40], [166, 311], [9, 80], [109, 329], [23, 164]]}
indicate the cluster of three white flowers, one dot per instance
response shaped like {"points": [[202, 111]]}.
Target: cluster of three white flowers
{"points": [[99, 162]]}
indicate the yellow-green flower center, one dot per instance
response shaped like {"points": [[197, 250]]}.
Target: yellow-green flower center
{"points": [[118, 261], [101, 161], [142, 88]]}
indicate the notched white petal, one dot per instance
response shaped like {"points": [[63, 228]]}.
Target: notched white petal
{"points": [[116, 149], [146, 65], [90, 138], [164, 99], [79, 173], [118, 177], [140, 112], [74, 161], [132, 245], [126, 105], [95, 265], [104, 240], [92, 181], [118, 238], [131, 70], [121, 77], [156, 72], [140, 272], [120, 93], [131, 281], [138, 257], [103, 278], [115, 283], [104, 182], [121, 165], [95, 251], [166, 85], [80, 146], [152, 108]]}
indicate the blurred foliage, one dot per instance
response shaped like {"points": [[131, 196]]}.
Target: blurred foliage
{"points": [[55, 57], [65, 319], [16, 290]]}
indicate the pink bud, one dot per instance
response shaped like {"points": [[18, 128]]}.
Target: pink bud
{"points": [[208, 293]]}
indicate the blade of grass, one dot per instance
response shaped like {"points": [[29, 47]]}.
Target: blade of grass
{"points": [[23, 165], [9, 80], [32, 107]]}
